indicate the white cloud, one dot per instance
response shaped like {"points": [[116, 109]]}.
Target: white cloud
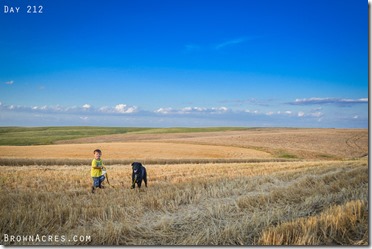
{"points": [[122, 108], [193, 110], [9, 82], [254, 112], [321, 101], [230, 43], [204, 110], [223, 109], [191, 47], [35, 108], [269, 113], [104, 109], [316, 114], [118, 109], [311, 114], [58, 108], [164, 110], [186, 116]]}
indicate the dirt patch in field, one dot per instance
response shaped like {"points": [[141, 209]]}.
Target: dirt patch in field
{"points": [[132, 150]]}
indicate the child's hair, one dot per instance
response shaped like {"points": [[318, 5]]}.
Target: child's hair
{"points": [[97, 150]]}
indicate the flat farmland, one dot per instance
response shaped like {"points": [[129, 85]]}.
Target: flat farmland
{"points": [[317, 196], [133, 150], [280, 142], [282, 203]]}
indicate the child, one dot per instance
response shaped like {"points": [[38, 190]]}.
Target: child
{"points": [[96, 171]]}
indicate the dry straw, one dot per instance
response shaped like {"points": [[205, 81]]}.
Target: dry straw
{"points": [[296, 202]]}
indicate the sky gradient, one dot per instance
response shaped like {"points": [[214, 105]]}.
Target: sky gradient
{"points": [[185, 63]]}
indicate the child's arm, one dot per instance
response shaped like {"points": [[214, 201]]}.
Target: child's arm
{"points": [[94, 165]]}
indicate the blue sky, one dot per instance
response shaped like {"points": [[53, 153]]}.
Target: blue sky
{"points": [[185, 63]]}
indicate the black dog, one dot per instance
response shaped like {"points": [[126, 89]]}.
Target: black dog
{"points": [[138, 174]]}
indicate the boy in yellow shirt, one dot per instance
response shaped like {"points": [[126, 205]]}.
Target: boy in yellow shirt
{"points": [[96, 170]]}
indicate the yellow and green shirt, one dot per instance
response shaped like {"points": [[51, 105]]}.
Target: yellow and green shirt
{"points": [[96, 172]]}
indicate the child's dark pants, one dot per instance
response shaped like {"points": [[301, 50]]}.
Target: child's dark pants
{"points": [[97, 181]]}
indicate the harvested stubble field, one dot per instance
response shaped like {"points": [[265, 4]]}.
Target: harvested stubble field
{"points": [[299, 202]]}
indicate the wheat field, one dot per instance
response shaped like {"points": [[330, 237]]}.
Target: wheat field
{"points": [[307, 201], [301, 143], [211, 204], [133, 151]]}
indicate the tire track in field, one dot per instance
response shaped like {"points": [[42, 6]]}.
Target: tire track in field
{"points": [[352, 142]]}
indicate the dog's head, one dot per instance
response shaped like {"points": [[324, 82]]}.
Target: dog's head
{"points": [[137, 170]]}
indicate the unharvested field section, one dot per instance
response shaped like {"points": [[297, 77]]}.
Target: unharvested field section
{"points": [[280, 142], [132, 150], [307, 203]]}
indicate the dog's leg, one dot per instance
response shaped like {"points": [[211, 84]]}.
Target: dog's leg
{"points": [[133, 183], [145, 178], [139, 183]]}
